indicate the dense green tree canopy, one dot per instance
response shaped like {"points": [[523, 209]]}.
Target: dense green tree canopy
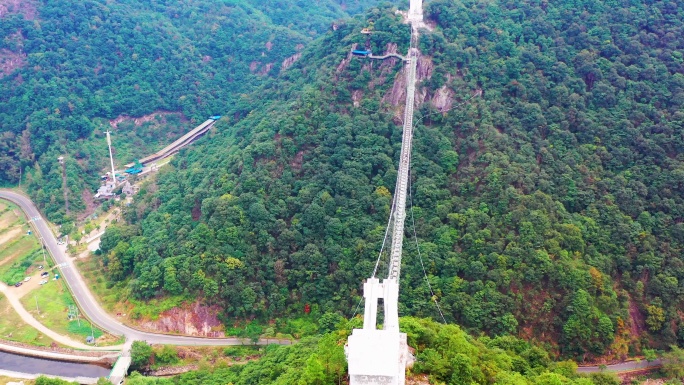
{"points": [[546, 196]]}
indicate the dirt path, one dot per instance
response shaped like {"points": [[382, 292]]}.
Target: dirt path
{"points": [[26, 287], [28, 318]]}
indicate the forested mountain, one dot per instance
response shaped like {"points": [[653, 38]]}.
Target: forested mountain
{"points": [[67, 67], [546, 179]]}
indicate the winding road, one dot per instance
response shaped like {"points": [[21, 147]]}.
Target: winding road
{"points": [[89, 305]]}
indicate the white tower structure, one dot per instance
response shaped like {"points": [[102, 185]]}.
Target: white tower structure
{"points": [[379, 356], [415, 10], [111, 158]]}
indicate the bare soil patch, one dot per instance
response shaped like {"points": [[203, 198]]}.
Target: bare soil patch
{"points": [[26, 287], [7, 219], [139, 121], [637, 324], [24, 7], [20, 247], [89, 200], [9, 235]]}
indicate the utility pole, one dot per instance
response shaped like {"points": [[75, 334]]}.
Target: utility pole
{"points": [[64, 184], [42, 242], [92, 333], [111, 158], [36, 298]]}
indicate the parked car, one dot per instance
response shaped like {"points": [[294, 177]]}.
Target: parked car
{"points": [[40, 267], [18, 284], [43, 282], [27, 279], [44, 274]]}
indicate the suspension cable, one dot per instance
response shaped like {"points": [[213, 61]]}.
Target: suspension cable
{"points": [[384, 240], [420, 257], [382, 248]]}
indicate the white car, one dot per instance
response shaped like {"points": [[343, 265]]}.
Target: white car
{"points": [[27, 279], [43, 282]]}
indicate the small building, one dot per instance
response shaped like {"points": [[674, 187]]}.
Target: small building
{"points": [[127, 189], [105, 191]]}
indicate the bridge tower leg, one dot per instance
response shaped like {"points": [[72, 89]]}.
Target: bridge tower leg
{"points": [[415, 10], [378, 356]]}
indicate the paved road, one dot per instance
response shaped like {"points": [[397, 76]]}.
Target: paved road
{"points": [[621, 367], [89, 305]]}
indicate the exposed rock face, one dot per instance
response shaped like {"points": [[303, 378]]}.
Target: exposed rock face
{"points": [[424, 68], [10, 61], [287, 63], [443, 98], [171, 371], [253, 66], [345, 62], [357, 95], [192, 319], [266, 69], [257, 68], [396, 95]]}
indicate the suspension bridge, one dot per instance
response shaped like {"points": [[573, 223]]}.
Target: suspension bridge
{"points": [[379, 356]]}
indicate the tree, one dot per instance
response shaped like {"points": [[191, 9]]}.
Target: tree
{"points": [[605, 379], [673, 362], [253, 332], [328, 322], [167, 355], [313, 372], [655, 318], [141, 355], [649, 355]]}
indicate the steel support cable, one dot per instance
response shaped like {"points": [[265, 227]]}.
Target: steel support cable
{"points": [[384, 240], [382, 248], [420, 257]]}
